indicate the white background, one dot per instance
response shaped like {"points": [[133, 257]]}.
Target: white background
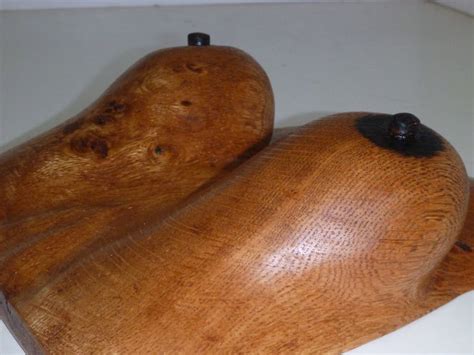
{"points": [[322, 58], [466, 6], [52, 4]]}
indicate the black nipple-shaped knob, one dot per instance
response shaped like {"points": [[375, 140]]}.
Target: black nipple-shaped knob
{"points": [[402, 133], [404, 127], [199, 39]]}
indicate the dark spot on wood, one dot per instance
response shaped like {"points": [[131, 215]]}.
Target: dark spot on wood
{"points": [[426, 143], [73, 126], [463, 246], [116, 107], [102, 119], [97, 145], [100, 148], [194, 67], [80, 145], [159, 150], [186, 103], [212, 338]]}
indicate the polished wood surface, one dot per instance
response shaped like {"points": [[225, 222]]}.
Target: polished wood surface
{"points": [[170, 125], [319, 243], [174, 107]]}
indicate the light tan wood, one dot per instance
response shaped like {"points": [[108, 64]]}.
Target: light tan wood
{"points": [[319, 243], [167, 127]]}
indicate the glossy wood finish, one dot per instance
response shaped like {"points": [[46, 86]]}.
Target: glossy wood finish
{"points": [[166, 128], [319, 243], [174, 107]]}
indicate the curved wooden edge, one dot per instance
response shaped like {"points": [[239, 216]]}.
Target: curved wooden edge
{"points": [[282, 132], [18, 329], [455, 275]]}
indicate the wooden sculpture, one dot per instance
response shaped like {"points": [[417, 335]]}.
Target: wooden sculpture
{"points": [[333, 236], [176, 107], [167, 127]]}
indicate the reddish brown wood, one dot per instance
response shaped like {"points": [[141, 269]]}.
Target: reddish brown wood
{"points": [[320, 243], [174, 107], [167, 127]]}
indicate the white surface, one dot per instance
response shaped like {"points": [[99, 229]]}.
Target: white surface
{"points": [[448, 330], [8, 345], [61, 4], [466, 6], [321, 58]]}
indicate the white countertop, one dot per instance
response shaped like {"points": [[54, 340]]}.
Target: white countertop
{"points": [[322, 58]]}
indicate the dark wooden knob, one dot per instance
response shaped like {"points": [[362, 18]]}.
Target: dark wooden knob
{"points": [[199, 39], [404, 127]]}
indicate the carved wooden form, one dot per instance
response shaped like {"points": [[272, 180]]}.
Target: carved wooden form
{"points": [[167, 127], [333, 236]]}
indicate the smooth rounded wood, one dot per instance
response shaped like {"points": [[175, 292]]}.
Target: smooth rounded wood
{"points": [[170, 125], [175, 107], [323, 241]]}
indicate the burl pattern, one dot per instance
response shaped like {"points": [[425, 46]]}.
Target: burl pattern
{"points": [[170, 125], [319, 243], [176, 106]]}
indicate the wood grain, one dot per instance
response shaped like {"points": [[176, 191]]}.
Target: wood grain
{"points": [[174, 107], [167, 127], [455, 275], [319, 243]]}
